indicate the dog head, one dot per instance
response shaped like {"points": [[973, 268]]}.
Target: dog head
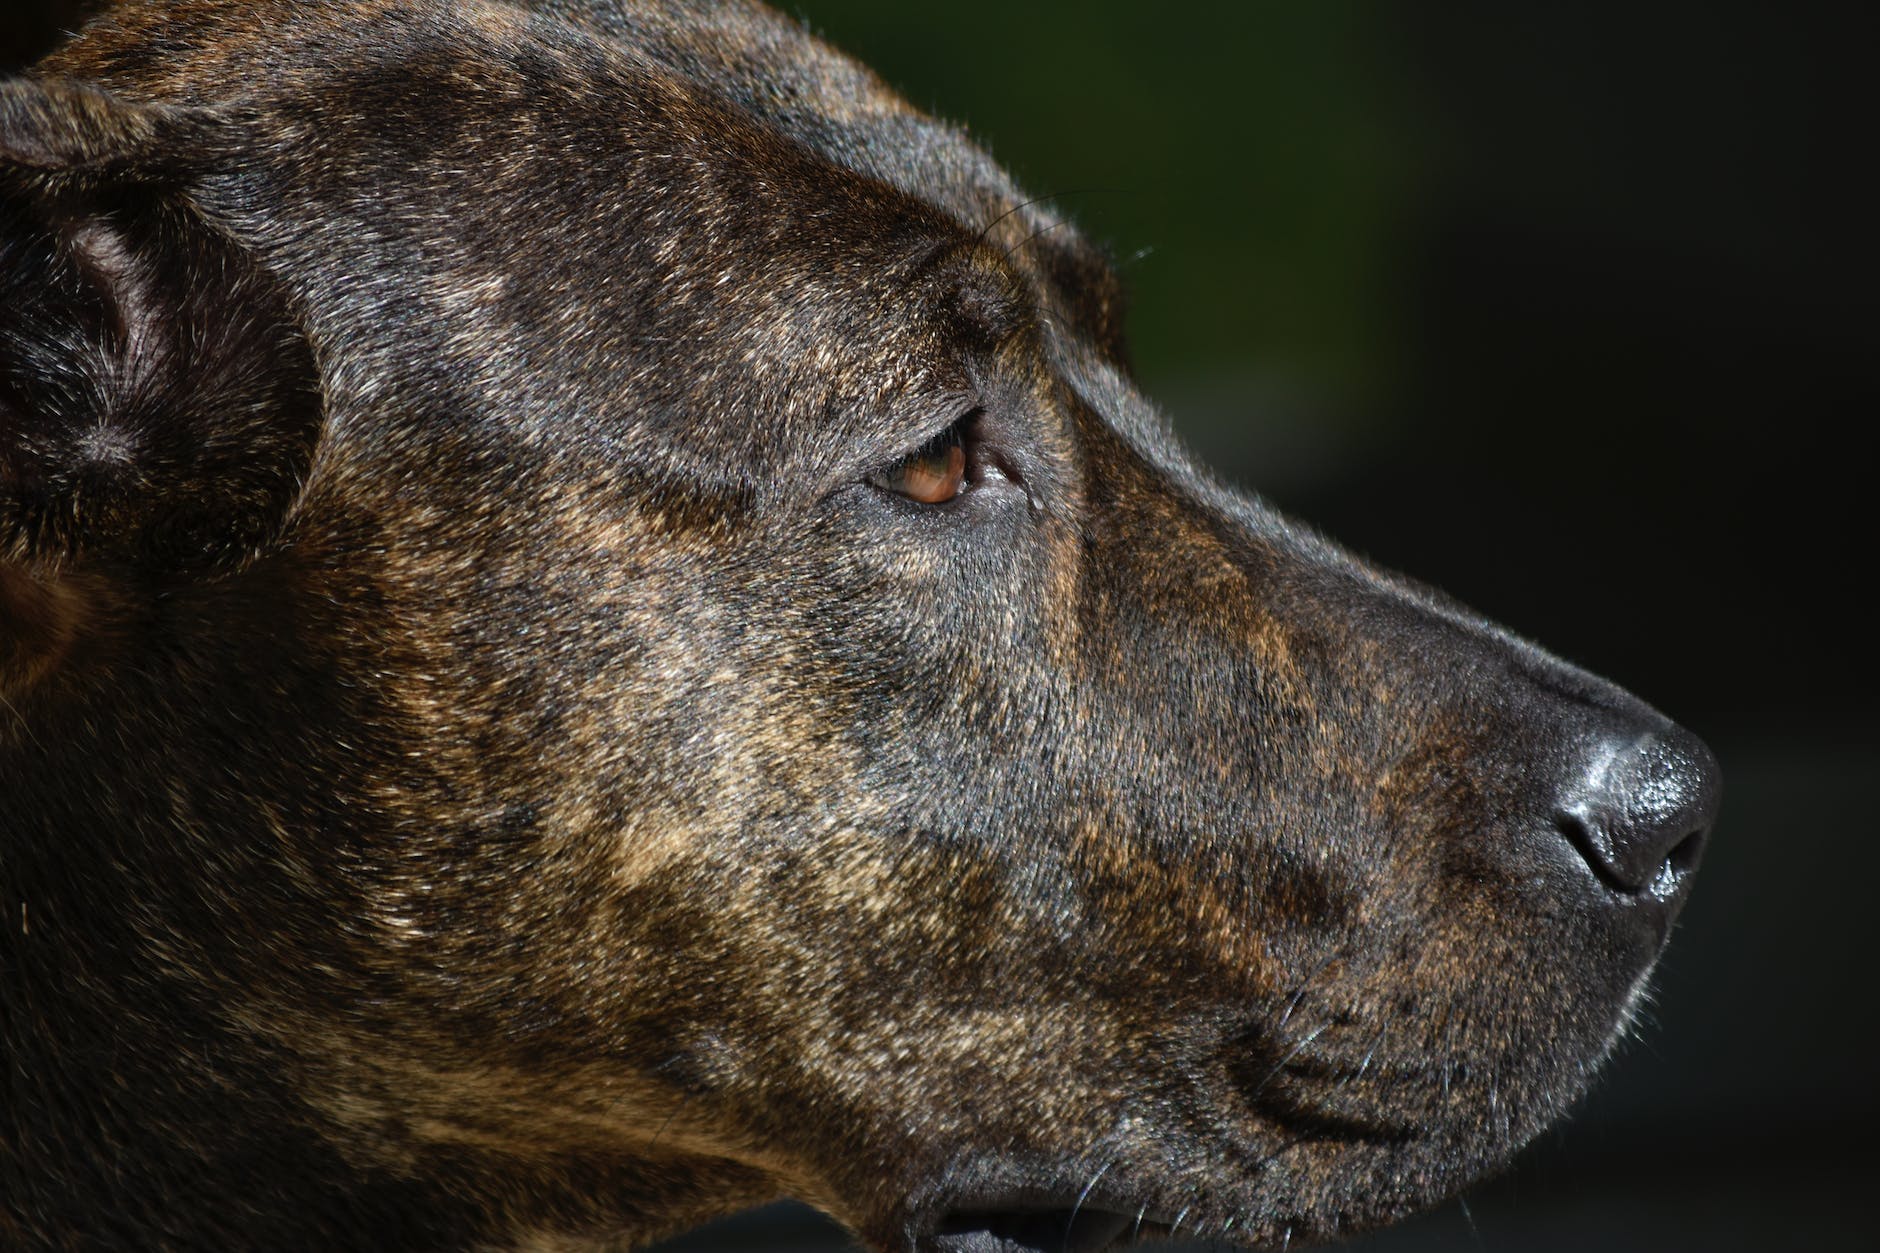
{"points": [[597, 632]]}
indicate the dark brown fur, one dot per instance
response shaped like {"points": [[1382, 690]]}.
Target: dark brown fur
{"points": [[484, 767]]}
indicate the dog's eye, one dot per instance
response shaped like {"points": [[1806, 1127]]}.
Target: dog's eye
{"points": [[933, 474]]}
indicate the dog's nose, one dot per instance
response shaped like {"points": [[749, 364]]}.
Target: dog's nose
{"points": [[1641, 809]]}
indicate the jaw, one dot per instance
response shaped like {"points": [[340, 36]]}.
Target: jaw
{"points": [[1339, 1144]]}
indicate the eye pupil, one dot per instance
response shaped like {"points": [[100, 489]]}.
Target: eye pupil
{"points": [[934, 474]]}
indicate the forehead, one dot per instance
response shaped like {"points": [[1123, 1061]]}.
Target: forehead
{"points": [[691, 231], [562, 97], [773, 69]]}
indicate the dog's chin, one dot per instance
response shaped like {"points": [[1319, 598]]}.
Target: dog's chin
{"points": [[1070, 1230]]}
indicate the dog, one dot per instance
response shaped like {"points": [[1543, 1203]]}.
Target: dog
{"points": [[593, 632]]}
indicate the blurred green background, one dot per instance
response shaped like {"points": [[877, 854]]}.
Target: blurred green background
{"points": [[1571, 310]]}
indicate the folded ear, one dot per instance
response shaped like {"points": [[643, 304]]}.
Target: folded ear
{"points": [[159, 402], [65, 128]]}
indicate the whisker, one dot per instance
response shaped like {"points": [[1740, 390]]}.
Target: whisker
{"points": [[1084, 1196], [1463, 1204], [654, 1142], [1305, 986], [1280, 1065], [986, 230], [1041, 231], [1376, 1044], [1020, 207]]}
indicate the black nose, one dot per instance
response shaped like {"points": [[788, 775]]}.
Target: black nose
{"points": [[1641, 808]]}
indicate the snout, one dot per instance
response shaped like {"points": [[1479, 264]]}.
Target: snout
{"points": [[1569, 772], [1555, 802]]}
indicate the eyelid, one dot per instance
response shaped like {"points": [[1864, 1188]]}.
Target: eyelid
{"points": [[958, 428], [904, 475]]}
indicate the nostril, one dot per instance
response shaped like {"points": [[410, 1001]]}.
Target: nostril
{"points": [[1593, 839], [1686, 853], [1678, 866]]}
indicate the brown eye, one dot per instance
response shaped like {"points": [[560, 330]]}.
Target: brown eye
{"points": [[933, 475]]}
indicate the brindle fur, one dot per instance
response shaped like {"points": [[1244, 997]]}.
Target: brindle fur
{"points": [[482, 767]]}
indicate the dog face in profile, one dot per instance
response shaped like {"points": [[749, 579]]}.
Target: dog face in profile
{"points": [[593, 631]]}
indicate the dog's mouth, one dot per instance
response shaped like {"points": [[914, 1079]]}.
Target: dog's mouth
{"points": [[1072, 1229]]}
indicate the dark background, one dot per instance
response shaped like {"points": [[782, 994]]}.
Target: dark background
{"points": [[1570, 309]]}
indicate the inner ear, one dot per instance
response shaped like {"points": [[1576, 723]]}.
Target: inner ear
{"points": [[159, 402]]}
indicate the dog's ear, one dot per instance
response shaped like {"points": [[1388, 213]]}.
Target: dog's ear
{"points": [[159, 402]]}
